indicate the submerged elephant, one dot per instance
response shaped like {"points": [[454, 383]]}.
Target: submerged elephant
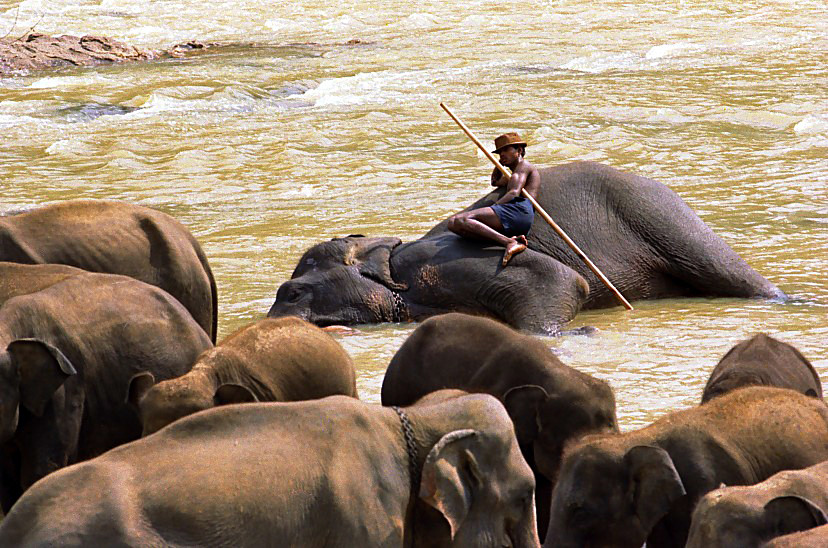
{"points": [[67, 353], [283, 359], [641, 235], [329, 472], [641, 486], [549, 402], [748, 517], [763, 360], [117, 238]]}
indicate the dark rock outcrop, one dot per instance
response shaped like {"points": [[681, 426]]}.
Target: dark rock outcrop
{"points": [[34, 52]]}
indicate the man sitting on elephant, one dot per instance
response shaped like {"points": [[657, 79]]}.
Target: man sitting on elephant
{"points": [[508, 221]]}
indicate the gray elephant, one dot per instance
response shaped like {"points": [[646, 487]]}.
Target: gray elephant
{"points": [[748, 517], [333, 472], [117, 238], [549, 402], [622, 490], [641, 235], [763, 360], [67, 353], [357, 280], [283, 359]]}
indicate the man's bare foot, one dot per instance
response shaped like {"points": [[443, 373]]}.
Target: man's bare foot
{"points": [[513, 248]]}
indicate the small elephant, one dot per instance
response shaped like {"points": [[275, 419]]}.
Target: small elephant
{"points": [[642, 235], [284, 359], [358, 280], [67, 352], [117, 238], [549, 402], [787, 502], [763, 360], [642, 485], [327, 472]]}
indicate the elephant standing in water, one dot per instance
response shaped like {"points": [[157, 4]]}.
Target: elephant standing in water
{"points": [[68, 351], [763, 360], [117, 238], [329, 472], [282, 359], [549, 402], [641, 235]]}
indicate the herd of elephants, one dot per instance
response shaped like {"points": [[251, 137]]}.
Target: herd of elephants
{"points": [[123, 423]]}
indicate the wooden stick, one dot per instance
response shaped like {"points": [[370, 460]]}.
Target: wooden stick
{"points": [[543, 213]]}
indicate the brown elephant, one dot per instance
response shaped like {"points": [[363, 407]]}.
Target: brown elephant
{"points": [[763, 360], [117, 238], [284, 359], [333, 472], [810, 538], [67, 352], [549, 402], [787, 502], [641, 486]]}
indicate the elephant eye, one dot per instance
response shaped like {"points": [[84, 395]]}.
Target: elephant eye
{"points": [[293, 294]]}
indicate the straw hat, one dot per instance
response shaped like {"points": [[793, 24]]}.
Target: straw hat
{"points": [[508, 139]]}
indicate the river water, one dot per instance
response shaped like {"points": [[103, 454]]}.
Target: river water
{"points": [[312, 122]]}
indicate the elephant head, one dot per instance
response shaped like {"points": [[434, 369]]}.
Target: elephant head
{"points": [[343, 281], [544, 423], [743, 516], [30, 373], [610, 498], [165, 402], [483, 489]]}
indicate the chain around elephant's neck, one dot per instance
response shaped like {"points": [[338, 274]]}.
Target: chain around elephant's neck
{"points": [[399, 310], [411, 448]]}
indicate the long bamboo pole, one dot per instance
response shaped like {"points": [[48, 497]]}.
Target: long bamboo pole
{"points": [[542, 213]]}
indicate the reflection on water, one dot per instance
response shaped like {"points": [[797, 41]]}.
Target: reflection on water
{"points": [[294, 133]]}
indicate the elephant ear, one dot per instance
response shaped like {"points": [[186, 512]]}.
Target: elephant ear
{"points": [[450, 475], [793, 513], [522, 404], [139, 385], [233, 393], [372, 256], [42, 369], [654, 483]]}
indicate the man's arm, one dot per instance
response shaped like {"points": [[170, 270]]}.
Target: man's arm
{"points": [[498, 179], [513, 187]]}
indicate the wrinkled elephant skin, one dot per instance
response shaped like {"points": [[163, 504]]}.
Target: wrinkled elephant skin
{"points": [[642, 235]]}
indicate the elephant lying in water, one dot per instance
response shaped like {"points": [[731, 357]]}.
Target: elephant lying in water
{"points": [[329, 472], [549, 402], [641, 486], [117, 238], [67, 353], [283, 359], [787, 502], [641, 234]]}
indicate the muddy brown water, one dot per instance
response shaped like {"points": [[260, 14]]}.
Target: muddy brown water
{"points": [[291, 135]]}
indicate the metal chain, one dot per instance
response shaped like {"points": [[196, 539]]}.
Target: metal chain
{"points": [[411, 447], [399, 312]]}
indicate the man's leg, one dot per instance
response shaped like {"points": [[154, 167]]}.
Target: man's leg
{"points": [[484, 224]]}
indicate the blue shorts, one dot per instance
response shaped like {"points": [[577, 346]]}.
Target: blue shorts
{"points": [[515, 216]]}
